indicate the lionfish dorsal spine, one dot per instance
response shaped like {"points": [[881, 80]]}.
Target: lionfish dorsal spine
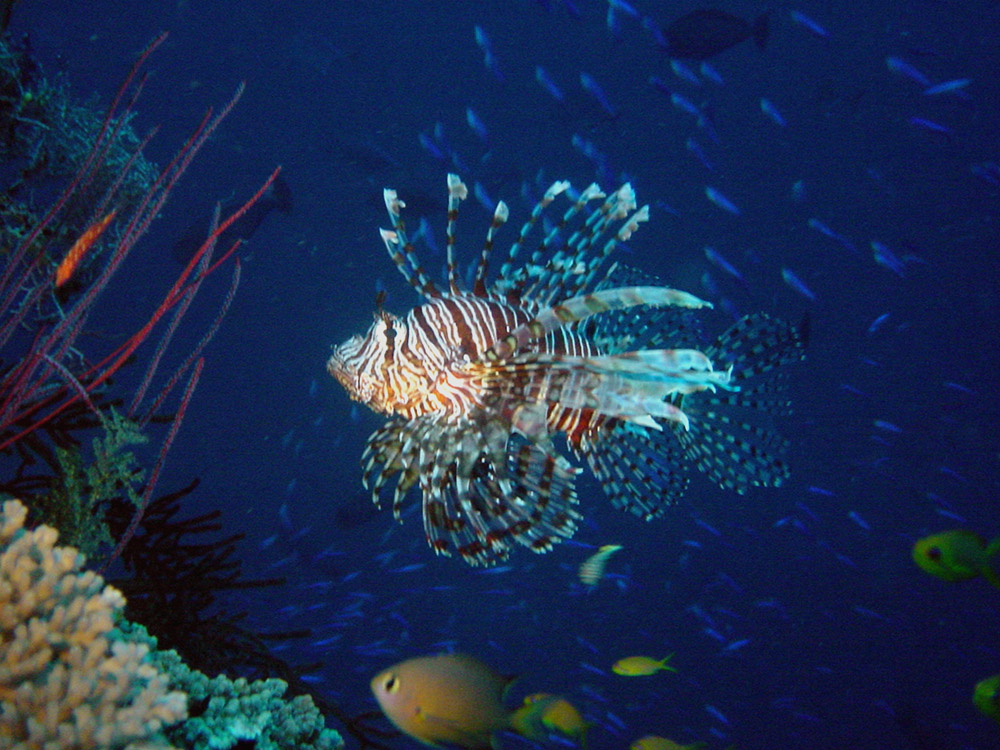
{"points": [[500, 215], [555, 189], [401, 250], [531, 270], [580, 269], [624, 233], [457, 192], [578, 308]]}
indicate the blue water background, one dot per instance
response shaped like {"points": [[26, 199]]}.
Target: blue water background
{"points": [[849, 643]]}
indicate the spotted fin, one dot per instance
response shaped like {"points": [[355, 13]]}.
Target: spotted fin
{"points": [[645, 327], [642, 471], [731, 436]]}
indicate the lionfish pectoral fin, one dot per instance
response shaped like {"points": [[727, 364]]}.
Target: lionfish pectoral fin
{"points": [[530, 420], [636, 387], [483, 489], [644, 420], [646, 327], [642, 471]]}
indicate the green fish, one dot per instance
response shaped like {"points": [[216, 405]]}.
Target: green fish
{"points": [[957, 555], [986, 696]]}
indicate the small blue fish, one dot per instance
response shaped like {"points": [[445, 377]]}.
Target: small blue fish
{"points": [[430, 147], [699, 153], [768, 108], [878, 323], [685, 105], [715, 258], [807, 23], [613, 24], [481, 38], [593, 88], [710, 73], [477, 125], [887, 259], [822, 228], [548, 84], [717, 714], [987, 171], [934, 127], [685, 73], [854, 516], [715, 634], [425, 233], [796, 283], [896, 65], [489, 59], [887, 426], [411, 568], [626, 8], [484, 199], [952, 385], [655, 31], [947, 87], [708, 527], [721, 201]]}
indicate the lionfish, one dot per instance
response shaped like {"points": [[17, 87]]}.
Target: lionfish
{"points": [[488, 390]]}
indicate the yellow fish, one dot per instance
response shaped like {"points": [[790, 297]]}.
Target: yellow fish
{"points": [[450, 699], [957, 556], [592, 569], [653, 742], [543, 713], [640, 666], [987, 697]]}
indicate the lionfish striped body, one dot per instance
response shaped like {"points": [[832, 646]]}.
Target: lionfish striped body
{"points": [[480, 384]]}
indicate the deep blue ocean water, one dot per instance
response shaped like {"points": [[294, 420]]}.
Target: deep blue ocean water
{"points": [[848, 643]]}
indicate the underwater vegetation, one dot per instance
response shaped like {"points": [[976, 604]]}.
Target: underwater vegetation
{"points": [[72, 450], [55, 270]]}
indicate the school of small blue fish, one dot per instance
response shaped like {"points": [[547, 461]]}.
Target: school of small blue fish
{"points": [[792, 164]]}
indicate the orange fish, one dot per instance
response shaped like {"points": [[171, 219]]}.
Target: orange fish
{"points": [[69, 264], [450, 699]]}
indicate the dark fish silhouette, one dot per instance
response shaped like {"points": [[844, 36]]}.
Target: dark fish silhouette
{"points": [[702, 34], [278, 196]]}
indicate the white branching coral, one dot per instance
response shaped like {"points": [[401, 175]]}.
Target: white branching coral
{"points": [[65, 683]]}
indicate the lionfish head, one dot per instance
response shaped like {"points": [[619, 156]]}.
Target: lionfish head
{"points": [[361, 362]]}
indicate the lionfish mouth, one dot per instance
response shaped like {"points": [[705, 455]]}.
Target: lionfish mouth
{"points": [[346, 376]]}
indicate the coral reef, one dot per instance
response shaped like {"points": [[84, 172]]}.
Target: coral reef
{"points": [[64, 681], [70, 679], [227, 713]]}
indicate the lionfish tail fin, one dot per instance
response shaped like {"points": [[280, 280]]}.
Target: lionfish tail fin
{"points": [[731, 435]]}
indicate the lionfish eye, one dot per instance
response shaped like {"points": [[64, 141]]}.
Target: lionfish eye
{"points": [[391, 684], [390, 333]]}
